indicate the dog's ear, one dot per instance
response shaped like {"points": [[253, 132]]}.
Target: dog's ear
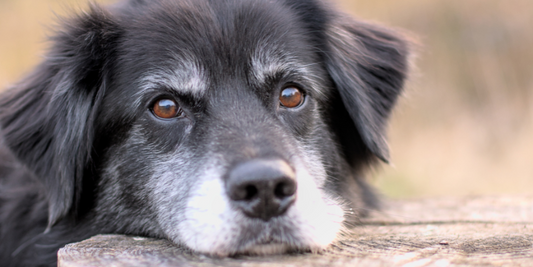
{"points": [[368, 66], [47, 120]]}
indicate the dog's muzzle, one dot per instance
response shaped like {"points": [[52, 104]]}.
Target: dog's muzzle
{"points": [[262, 188]]}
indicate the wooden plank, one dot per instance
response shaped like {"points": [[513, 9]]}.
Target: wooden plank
{"points": [[486, 231]]}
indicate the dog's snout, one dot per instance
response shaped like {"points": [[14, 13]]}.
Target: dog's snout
{"points": [[262, 188]]}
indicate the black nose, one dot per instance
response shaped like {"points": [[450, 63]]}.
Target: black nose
{"points": [[262, 188]]}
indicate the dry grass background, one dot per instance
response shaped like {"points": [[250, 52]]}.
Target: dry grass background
{"points": [[465, 124]]}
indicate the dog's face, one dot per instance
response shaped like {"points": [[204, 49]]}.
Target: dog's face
{"points": [[226, 126], [223, 130]]}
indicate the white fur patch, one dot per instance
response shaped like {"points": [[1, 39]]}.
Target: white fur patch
{"points": [[209, 222], [318, 217]]}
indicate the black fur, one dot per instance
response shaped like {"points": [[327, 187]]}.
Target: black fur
{"points": [[68, 121]]}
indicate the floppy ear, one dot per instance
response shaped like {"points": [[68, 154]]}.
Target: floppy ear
{"points": [[47, 119], [368, 66]]}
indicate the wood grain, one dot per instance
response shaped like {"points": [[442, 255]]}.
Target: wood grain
{"points": [[485, 231]]}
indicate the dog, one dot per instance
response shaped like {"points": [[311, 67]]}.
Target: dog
{"points": [[228, 127]]}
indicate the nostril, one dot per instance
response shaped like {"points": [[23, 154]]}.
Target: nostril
{"points": [[244, 192], [251, 192], [285, 189]]}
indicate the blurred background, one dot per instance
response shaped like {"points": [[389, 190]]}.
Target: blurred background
{"points": [[465, 123]]}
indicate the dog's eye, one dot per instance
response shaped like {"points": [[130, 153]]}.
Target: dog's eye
{"points": [[291, 97], [166, 109]]}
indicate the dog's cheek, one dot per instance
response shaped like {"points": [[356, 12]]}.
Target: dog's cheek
{"points": [[169, 185], [133, 172], [122, 195]]}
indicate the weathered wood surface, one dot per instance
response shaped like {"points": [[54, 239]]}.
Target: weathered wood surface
{"points": [[481, 231]]}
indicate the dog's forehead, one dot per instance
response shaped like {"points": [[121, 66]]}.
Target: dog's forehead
{"points": [[192, 45]]}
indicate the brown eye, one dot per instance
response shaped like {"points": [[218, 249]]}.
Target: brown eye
{"points": [[166, 109], [291, 97]]}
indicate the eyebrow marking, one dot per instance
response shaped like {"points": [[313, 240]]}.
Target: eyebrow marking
{"points": [[188, 77], [266, 64]]}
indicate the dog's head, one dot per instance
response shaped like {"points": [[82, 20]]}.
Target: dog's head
{"points": [[233, 126]]}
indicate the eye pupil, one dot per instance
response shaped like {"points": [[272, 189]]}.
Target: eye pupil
{"points": [[291, 97], [166, 109]]}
